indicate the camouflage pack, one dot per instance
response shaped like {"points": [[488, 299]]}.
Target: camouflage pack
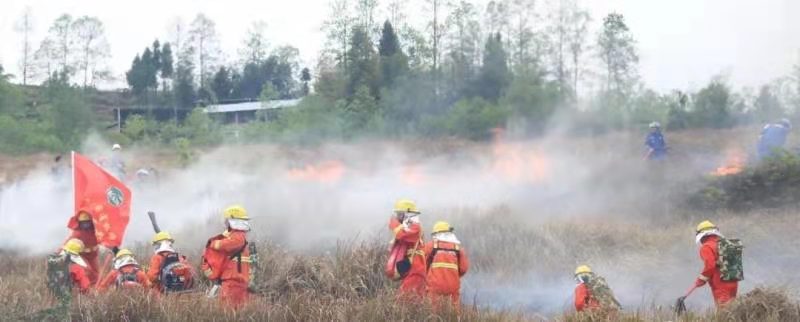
{"points": [[602, 292], [59, 281], [729, 260], [254, 282]]}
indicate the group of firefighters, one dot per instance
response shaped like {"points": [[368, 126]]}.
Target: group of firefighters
{"points": [[226, 261], [428, 271], [433, 270], [773, 136]]}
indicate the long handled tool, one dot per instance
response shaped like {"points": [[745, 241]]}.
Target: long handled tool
{"points": [[680, 304], [153, 221]]}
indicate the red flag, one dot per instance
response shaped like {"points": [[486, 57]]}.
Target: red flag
{"points": [[104, 197]]}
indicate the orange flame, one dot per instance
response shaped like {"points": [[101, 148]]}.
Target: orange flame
{"points": [[734, 163], [329, 171], [412, 175], [516, 162]]}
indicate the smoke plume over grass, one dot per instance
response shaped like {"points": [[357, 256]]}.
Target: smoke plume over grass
{"points": [[527, 211]]}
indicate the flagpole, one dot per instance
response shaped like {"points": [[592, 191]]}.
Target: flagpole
{"points": [[74, 168]]}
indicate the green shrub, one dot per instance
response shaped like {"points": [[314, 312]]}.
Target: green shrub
{"points": [[773, 182]]}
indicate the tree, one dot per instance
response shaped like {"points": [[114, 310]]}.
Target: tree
{"points": [[436, 38], [578, 21], [363, 63], [46, 57], [767, 106], [222, 84], [166, 64], [305, 77], [362, 110], [712, 105], [523, 38], [25, 27], [135, 76], [393, 62], [396, 14], [338, 28], [203, 36], [497, 17], [149, 68], [494, 75], [617, 51], [156, 64], [255, 43], [283, 75], [61, 37], [366, 14], [184, 89], [463, 45], [69, 113], [93, 46]]}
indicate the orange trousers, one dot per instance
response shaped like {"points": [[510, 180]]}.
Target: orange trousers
{"points": [[724, 294], [234, 294], [93, 261], [412, 289], [440, 302]]}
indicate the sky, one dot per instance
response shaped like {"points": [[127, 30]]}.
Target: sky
{"points": [[682, 43]]}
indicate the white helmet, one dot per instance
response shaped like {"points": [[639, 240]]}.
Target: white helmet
{"points": [[116, 147], [655, 125], [786, 123]]}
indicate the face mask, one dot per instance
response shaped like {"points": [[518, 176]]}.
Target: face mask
{"points": [[85, 225]]}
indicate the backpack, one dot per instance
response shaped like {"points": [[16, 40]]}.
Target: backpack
{"points": [[436, 249], [175, 275], [729, 260], [128, 279], [59, 280], [602, 293], [253, 284]]}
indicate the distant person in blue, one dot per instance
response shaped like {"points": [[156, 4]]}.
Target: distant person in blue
{"points": [[656, 145], [773, 136]]}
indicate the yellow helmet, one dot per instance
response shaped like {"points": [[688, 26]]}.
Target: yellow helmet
{"points": [[705, 225], [583, 269], [441, 226], [162, 235], [73, 246], [123, 252], [84, 216], [405, 205], [235, 212]]}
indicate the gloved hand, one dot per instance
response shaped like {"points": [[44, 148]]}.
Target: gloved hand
{"points": [[699, 283]]}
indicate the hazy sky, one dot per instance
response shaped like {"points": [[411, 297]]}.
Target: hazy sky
{"points": [[683, 43]]}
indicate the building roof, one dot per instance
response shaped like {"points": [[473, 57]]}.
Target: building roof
{"points": [[251, 106]]}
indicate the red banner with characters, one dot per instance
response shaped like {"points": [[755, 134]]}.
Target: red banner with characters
{"points": [[106, 199]]}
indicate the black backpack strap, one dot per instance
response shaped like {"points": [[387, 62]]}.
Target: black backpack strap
{"points": [[238, 257], [436, 249]]}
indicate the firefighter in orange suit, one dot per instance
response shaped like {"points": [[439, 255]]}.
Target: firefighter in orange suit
{"points": [[447, 262], [226, 260], [406, 228]]}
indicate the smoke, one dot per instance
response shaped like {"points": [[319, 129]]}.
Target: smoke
{"points": [[519, 202]]}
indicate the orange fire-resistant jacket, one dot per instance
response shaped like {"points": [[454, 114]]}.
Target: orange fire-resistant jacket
{"points": [[220, 260], [584, 298], [447, 263], [414, 282]]}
